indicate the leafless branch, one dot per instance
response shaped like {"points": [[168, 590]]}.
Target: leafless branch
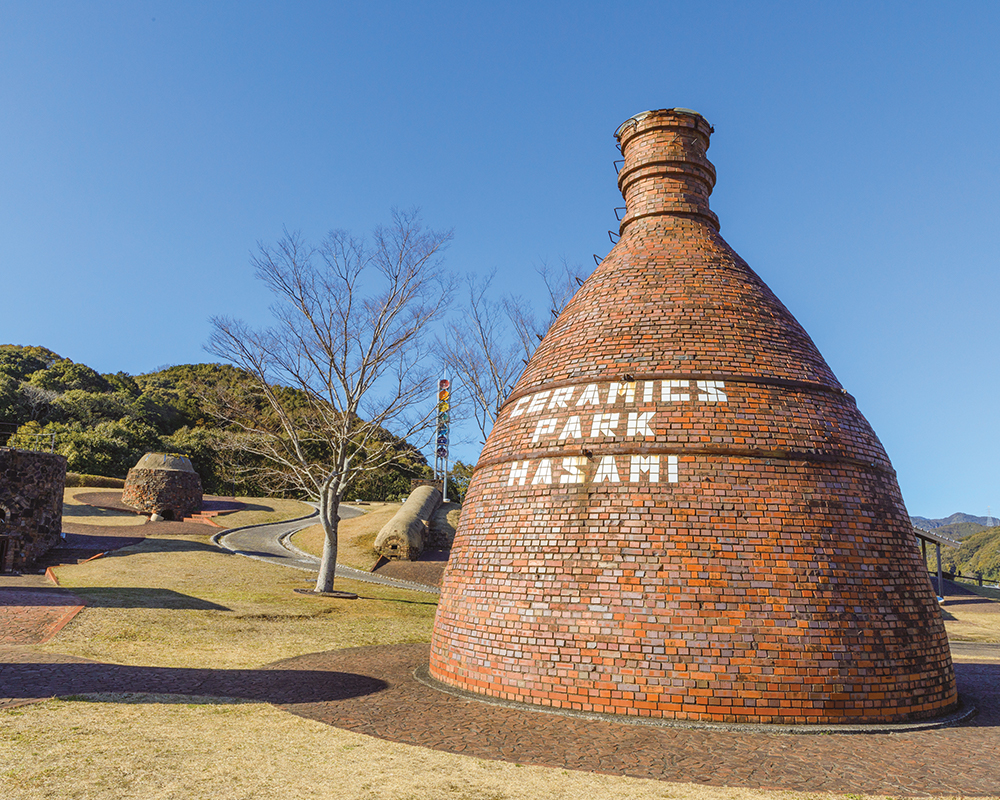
{"points": [[350, 322], [486, 347]]}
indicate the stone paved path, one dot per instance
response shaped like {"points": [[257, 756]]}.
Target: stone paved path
{"points": [[962, 760]]}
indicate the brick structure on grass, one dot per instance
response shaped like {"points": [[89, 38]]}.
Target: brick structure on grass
{"points": [[164, 484], [31, 500], [680, 513]]}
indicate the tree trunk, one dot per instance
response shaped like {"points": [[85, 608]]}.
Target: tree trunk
{"points": [[329, 507]]}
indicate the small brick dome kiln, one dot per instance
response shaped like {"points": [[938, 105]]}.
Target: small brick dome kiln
{"points": [[680, 513], [164, 484]]}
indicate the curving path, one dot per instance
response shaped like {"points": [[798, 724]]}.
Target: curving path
{"points": [[271, 543]]}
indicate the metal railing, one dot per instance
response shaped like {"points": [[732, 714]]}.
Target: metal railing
{"points": [[35, 442]]}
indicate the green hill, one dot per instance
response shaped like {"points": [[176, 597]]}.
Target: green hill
{"points": [[979, 554], [103, 424], [960, 530]]}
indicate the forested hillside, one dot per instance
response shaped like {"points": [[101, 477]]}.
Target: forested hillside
{"points": [[979, 554], [103, 424]]}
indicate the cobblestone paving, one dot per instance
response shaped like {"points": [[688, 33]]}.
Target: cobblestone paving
{"points": [[31, 615], [961, 760]]}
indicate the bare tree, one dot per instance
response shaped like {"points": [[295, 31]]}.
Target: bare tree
{"points": [[481, 354], [486, 348], [349, 338]]}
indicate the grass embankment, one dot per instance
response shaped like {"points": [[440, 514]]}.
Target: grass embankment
{"points": [[93, 481], [974, 618], [263, 511], [355, 536], [983, 591], [181, 601]]}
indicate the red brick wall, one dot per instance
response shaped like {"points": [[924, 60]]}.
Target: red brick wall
{"points": [[680, 513]]}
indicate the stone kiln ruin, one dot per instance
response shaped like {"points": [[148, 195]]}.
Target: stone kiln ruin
{"points": [[164, 484], [680, 513], [31, 498]]}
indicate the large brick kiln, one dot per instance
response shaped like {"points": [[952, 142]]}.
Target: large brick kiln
{"points": [[680, 512]]}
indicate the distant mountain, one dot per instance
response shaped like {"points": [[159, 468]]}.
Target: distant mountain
{"points": [[930, 524]]}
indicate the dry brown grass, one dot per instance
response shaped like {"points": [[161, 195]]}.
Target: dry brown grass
{"points": [[972, 623], [258, 511], [173, 601], [119, 746], [181, 601], [356, 536]]}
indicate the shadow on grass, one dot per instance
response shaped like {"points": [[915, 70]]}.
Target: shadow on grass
{"points": [[141, 597], [27, 681], [982, 602], [399, 599], [252, 507], [977, 684], [101, 540], [156, 545], [36, 596]]}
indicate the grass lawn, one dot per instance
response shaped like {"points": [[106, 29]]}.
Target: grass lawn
{"points": [[969, 620], [180, 601], [153, 748], [355, 536]]}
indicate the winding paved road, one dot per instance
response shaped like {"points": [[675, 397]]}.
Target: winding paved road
{"points": [[271, 543]]}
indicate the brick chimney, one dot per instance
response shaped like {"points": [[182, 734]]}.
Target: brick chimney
{"points": [[666, 170], [680, 513]]}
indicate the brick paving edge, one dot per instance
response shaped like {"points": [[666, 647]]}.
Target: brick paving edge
{"points": [[964, 712], [62, 622]]}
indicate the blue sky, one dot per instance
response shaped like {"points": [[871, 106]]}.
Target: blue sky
{"points": [[146, 147]]}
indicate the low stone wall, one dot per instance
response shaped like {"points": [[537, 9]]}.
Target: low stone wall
{"points": [[404, 535], [31, 497]]}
